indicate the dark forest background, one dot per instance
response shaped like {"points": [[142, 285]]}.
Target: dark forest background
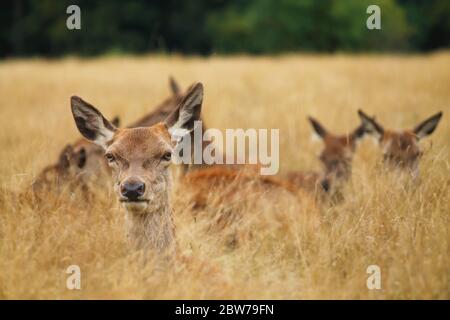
{"points": [[38, 27]]}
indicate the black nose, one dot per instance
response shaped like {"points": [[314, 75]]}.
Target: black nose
{"points": [[132, 190], [325, 184]]}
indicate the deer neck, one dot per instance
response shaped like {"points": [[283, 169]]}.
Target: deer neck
{"points": [[152, 228]]}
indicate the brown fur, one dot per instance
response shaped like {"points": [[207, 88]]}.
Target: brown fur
{"points": [[214, 178], [77, 164], [307, 180], [222, 191], [336, 158], [401, 148]]}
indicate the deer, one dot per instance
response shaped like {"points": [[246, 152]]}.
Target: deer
{"points": [[140, 160], [76, 162], [336, 159], [82, 160], [401, 149]]}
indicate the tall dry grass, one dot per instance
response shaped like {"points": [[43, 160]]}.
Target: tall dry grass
{"points": [[292, 253]]}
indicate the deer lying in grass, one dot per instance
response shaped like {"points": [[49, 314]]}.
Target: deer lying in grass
{"points": [[336, 158], [82, 160], [140, 159], [401, 148], [74, 161], [226, 196]]}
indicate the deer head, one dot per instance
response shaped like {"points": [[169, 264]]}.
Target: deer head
{"points": [[337, 154], [140, 157], [81, 159], [401, 148]]}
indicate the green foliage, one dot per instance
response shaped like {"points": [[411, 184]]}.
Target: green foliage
{"points": [[38, 27], [429, 21], [349, 19], [289, 25]]}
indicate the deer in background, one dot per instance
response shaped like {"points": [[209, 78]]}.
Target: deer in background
{"points": [[76, 162], [140, 160], [336, 158], [401, 148], [82, 160]]}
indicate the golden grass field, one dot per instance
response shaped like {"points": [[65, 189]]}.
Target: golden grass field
{"points": [[293, 253]]}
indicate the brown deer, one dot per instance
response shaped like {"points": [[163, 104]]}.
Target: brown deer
{"points": [[83, 160], [140, 160], [401, 148], [336, 158], [76, 163]]}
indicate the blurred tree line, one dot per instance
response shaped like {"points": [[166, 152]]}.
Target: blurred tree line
{"points": [[38, 27]]}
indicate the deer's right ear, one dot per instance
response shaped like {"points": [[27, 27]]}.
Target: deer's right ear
{"points": [[370, 125], [91, 123], [182, 120], [318, 128]]}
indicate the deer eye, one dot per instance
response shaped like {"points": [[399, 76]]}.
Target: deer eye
{"points": [[167, 156], [110, 157]]}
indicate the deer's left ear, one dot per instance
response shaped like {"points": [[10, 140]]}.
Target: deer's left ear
{"points": [[181, 121], [428, 126]]}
